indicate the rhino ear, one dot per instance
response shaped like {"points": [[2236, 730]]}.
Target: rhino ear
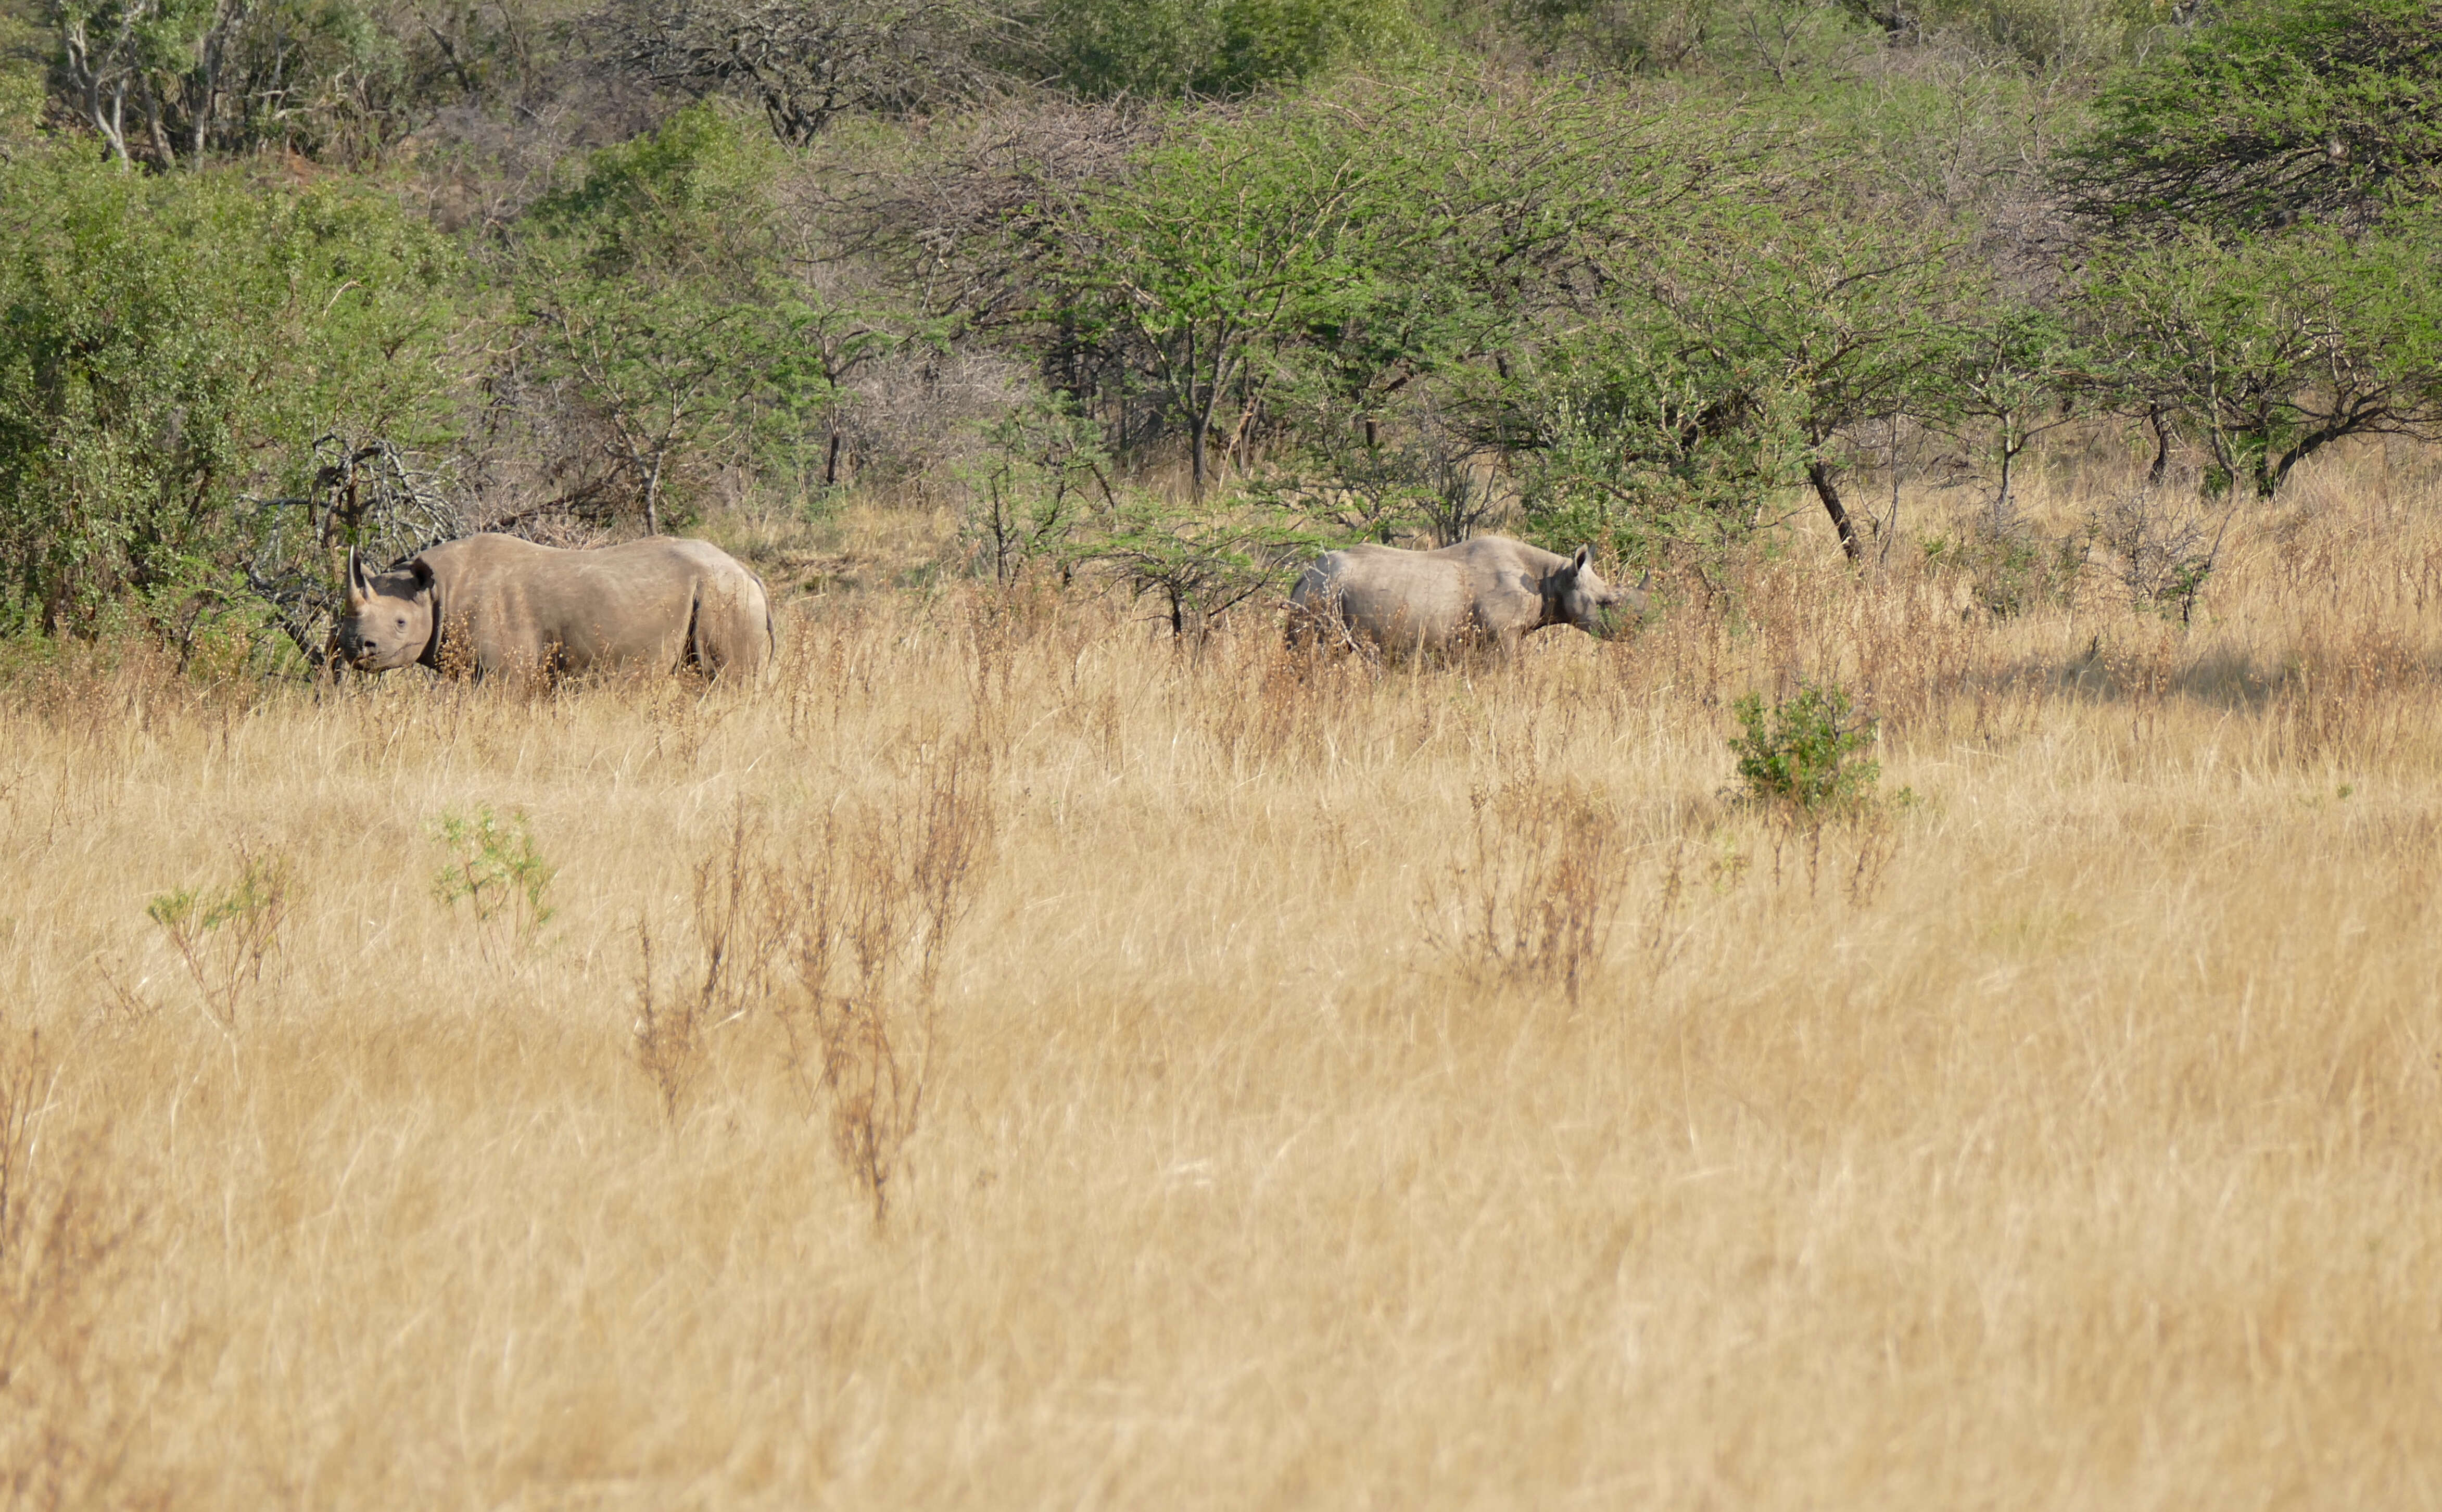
{"points": [[423, 570], [1645, 582], [1583, 559]]}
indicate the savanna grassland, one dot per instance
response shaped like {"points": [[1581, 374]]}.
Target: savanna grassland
{"points": [[1016, 1058]]}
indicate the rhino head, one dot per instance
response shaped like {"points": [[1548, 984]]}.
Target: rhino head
{"points": [[1576, 595], [388, 621]]}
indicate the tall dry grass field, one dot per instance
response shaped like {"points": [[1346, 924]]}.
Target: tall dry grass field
{"points": [[1015, 1060]]}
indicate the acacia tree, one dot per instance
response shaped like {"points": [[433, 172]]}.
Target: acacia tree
{"points": [[2012, 376], [659, 292], [1210, 257], [806, 63], [2272, 113], [1741, 357], [1323, 258], [2275, 346]]}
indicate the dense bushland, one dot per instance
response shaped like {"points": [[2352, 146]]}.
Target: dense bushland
{"points": [[1165, 294]]}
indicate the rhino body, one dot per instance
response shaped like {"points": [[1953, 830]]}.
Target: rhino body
{"points": [[493, 606], [1488, 592]]}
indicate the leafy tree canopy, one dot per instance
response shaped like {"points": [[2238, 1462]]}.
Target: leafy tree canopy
{"points": [[1210, 47], [2275, 111]]}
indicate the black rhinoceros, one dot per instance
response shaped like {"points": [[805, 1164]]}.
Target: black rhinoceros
{"points": [[1490, 591], [489, 605]]}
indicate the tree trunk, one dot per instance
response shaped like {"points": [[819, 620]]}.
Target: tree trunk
{"points": [[2161, 467], [1825, 490], [653, 496], [830, 463]]}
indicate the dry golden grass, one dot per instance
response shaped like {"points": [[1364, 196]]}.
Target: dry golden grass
{"points": [[2066, 1139]]}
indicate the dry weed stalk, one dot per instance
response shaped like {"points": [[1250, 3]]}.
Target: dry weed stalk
{"points": [[876, 904], [668, 1035], [866, 911], [1538, 888], [745, 915]]}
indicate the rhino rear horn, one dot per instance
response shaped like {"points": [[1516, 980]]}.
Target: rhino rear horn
{"points": [[1645, 582], [358, 589]]}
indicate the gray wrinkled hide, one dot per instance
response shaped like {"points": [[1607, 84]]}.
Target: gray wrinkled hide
{"points": [[1490, 591], [495, 605]]}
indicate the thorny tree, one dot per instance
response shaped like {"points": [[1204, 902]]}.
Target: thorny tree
{"points": [[808, 62]]}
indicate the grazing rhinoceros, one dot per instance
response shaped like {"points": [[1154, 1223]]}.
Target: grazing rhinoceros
{"points": [[490, 605], [1485, 592]]}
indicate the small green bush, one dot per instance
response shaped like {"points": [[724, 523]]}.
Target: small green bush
{"points": [[1806, 753], [493, 865], [223, 934]]}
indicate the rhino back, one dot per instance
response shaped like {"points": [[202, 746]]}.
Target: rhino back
{"points": [[1400, 600], [522, 605]]}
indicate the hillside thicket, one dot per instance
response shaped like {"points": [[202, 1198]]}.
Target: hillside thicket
{"points": [[1167, 293]]}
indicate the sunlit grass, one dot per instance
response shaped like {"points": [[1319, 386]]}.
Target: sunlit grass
{"points": [[2063, 1137]]}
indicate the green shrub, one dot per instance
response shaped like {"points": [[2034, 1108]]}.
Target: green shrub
{"points": [[1805, 754], [169, 347]]}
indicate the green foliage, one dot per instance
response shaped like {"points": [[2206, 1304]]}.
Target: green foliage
{"points": [[21, 92], [495, 867], [172, 82], [1805, 754], [1154, 48], [659, 292], [1031, 489], [2275, 346], [1636, 447], [1201, 559], [169, 347], [694, 195], [1334, 259], [1226, 241], [2272, 112], [1735, 360]]}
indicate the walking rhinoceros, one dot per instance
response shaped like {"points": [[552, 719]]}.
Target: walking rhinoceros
{"points": [[493, 604], [1490, 591]]}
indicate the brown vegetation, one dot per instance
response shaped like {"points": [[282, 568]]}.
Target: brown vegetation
{"points": [[1087, 1067]]}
